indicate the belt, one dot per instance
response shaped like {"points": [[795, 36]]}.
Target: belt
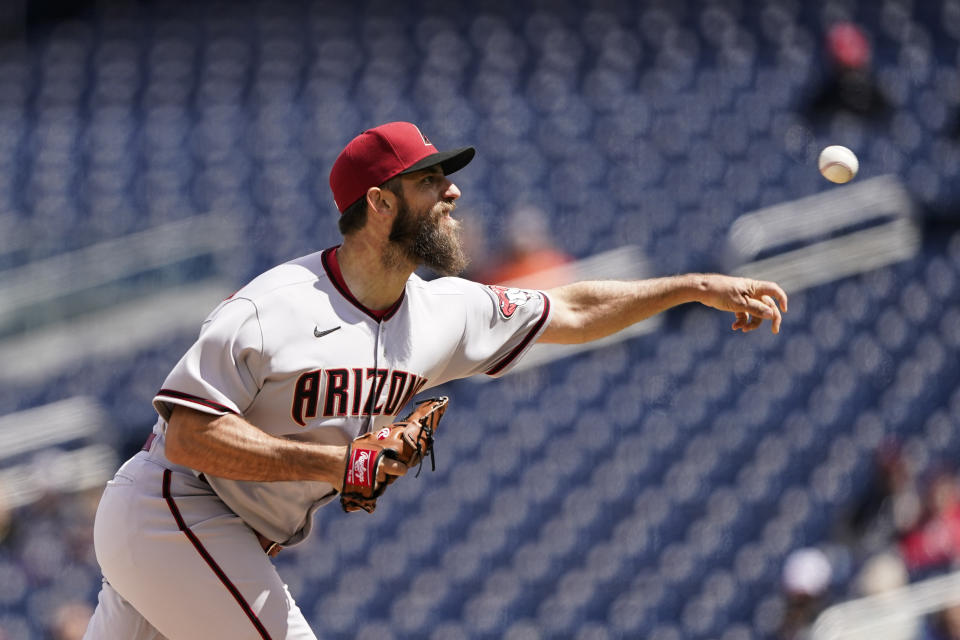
{"points": [[270, 547]]}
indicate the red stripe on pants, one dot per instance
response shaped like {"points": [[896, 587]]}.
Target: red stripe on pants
{"points": [[195, 541]]}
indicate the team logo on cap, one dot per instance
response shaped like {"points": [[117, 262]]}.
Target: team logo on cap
{"points": [[426, 141], [510, 299]]}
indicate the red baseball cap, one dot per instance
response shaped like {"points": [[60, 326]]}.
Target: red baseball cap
{"points": [[378, 154]]}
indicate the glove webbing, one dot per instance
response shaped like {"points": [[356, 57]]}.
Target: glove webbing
{"points": [[427, 450]]}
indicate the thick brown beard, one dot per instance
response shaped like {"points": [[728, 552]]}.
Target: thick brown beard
{"points": [[421, 239]]}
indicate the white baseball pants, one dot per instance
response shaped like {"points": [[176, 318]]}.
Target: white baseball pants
{"points": [[178, 564]]}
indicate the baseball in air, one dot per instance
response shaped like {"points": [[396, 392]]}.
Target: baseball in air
{"points": [[838, 164]]}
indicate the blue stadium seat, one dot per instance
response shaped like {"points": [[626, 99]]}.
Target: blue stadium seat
{"points": [[18, 626], [692, 452]]}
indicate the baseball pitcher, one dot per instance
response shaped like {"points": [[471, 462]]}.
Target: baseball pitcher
{"points": [[305, 387]]}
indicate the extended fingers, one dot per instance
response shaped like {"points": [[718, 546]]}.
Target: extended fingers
{"points": [[741, 322], [746, 322], [777, 317], [759, 308], [774, 291], [760, 301]]}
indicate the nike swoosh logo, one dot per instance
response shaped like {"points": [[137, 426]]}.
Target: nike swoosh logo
{"points": [[320, 334]]}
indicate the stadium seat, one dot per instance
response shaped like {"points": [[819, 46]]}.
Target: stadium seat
{"points": [[688, 453]]}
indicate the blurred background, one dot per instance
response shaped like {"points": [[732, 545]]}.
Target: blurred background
{"points": [[686, 483]]}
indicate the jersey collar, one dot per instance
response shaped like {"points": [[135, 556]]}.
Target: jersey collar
{"points": [[329, 260]]}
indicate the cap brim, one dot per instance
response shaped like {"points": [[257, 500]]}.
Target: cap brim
{"points": [[449, 161]]}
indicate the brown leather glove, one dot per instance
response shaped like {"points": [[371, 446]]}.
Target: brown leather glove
{"points": [[408, 441]]}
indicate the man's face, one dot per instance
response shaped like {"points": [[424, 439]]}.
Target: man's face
{"points": [[423, 231]]}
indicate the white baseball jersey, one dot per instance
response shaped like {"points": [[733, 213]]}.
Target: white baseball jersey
{"points": [[298, 356]]}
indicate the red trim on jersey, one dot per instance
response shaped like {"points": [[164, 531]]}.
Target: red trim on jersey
{"points": [[179, 395], [497, 368], [195, 541], [329, 260]]}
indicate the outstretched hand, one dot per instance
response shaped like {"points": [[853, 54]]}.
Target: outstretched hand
{"points": [[752, 301]]}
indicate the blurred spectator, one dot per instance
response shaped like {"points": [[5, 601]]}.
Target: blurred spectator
{"points": [[932, 543], [880, 577], [806, 581], [6, 520], [529, 257], [888, 505], [943, 625], [69, 621], [881, 574], [850, 86]]}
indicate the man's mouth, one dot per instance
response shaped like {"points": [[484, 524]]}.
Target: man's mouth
{"points": [[447, 209]]}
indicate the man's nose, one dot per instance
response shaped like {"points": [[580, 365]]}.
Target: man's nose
{"points": [[451, 192]]}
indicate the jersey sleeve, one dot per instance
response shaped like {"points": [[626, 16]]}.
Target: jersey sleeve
{"points": [[219, 374], [502, 323]]}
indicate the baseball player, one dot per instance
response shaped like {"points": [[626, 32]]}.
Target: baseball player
{"points": [[257, 421]]}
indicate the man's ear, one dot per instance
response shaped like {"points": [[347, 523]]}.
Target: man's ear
{"points": [[382, 201]]}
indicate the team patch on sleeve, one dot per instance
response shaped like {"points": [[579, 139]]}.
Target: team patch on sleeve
{"points": [[510, 299]]}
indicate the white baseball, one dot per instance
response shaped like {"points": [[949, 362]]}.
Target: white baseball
{"points": [[838, 164]]}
